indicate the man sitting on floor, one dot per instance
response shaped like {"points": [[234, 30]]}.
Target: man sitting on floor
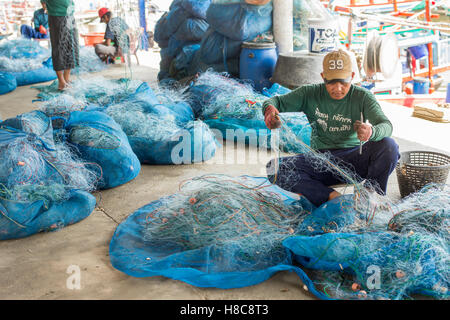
{"points": [[40, 30], [334, 109], [116, 32]]}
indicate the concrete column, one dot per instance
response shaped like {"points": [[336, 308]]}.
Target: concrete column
{"points": [[283, 29]]}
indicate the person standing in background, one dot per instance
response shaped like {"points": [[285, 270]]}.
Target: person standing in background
{"points": [[63, 38], [40, 20]]}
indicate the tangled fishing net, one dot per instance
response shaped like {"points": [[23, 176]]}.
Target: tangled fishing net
{"points": [[229, 103], [33, 167], [96, 90]]}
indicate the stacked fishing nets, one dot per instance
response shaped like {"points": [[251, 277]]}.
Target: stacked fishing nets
{"points": [[218, 231], [43, 185], [27, 61], [178, 34], [227, 103], [159, 123]]}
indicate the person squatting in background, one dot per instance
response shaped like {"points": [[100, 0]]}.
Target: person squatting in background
{"points": [[63, 38], [40, 21], [334, 110], [116, 39]]}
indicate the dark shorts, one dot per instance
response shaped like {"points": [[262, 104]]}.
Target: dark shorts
{"points": [[64, 41]]}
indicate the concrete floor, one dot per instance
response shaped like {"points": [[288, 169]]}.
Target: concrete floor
{"points": [[38, 267]]}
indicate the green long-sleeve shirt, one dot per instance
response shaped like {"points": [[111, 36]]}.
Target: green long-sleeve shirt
{"points": [[60, 8], [332, 120]]}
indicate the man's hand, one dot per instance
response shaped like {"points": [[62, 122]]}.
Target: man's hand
{"points": [[271, 117], [363, 130]]}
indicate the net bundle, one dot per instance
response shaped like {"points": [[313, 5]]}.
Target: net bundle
{"points": [[34, 167], [236, 216]]}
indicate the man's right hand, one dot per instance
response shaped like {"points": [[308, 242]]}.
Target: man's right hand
{"points": [[271, 117]]}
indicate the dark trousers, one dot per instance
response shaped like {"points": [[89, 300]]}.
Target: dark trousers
{"points": [[299, 174], [64, 41], [31, 33]]}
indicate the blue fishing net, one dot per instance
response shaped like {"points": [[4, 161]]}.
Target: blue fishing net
{"points": [[196, 8], [229, 104], [43, 185], [239, 21], [217, 231], [396, 252], [159, 124], [98, 139], [165, 132], [8, 82]]}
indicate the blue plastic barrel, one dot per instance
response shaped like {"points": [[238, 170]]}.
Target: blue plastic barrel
{"points": [[419, 51], [447, 99], [421, 86], [257, 63]]}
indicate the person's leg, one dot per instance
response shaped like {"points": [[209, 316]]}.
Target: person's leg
{"points": [[297, 174], [27, 31], [104, 51], [62, 84], [57, 57], [66, 76]]}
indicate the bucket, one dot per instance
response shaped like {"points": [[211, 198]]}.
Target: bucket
{"points": [[322, 35], [421, 86], [91, 39], [257, 63], [419, 51]]}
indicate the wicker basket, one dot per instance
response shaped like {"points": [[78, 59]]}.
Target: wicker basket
{"points": [[417, 168]]}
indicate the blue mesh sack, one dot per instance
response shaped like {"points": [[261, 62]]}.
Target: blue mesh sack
{"points": [[20, 219], [175, 46], [169, 23], [231, 105], [100, 140], [196, 8], [358, 247], [240, 21], [215, 47], [159, 134], [184, 58], [191, 30], [8, 82], [355, 254], [43, 186], [225, 236], [43, 74]]}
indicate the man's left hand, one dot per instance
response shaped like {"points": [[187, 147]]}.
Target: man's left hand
{"points": [[363, 130]]}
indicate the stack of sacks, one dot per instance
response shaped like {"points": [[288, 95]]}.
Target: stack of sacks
{"points": [[231, 22], [178, 34]]}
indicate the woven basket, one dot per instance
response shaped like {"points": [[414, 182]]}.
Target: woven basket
{"points": [[418, 168]]}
